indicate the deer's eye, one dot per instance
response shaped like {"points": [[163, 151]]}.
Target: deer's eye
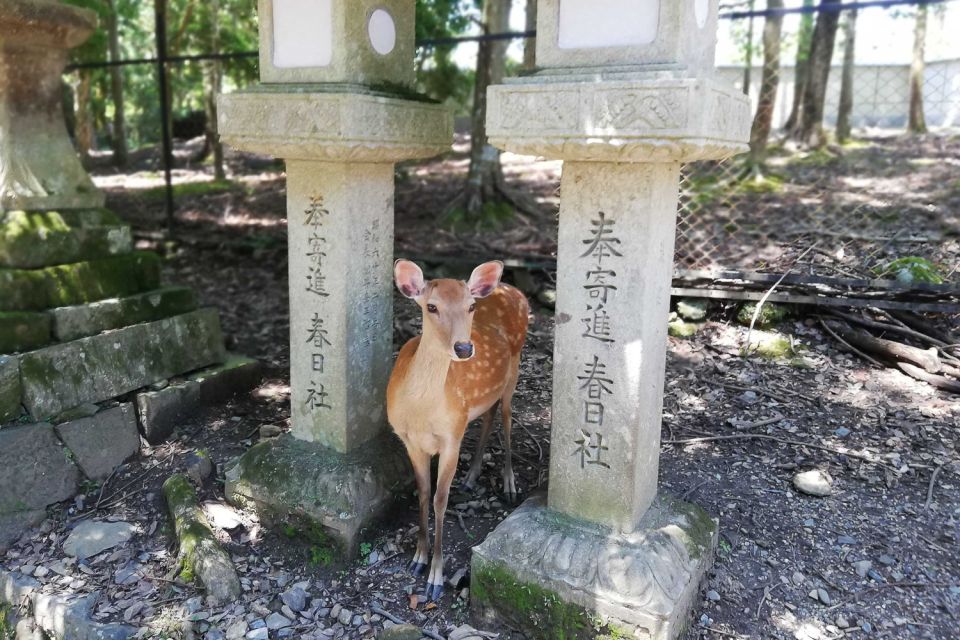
{"points": [[473, 307], [432, 308]]}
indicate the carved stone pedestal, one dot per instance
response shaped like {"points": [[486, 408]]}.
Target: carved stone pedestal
{"points": [[554, 576]]}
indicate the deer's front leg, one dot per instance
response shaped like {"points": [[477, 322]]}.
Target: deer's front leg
{"points": [[448, 468], [421, 470]]}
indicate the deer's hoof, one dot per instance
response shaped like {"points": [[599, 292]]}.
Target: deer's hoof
{"points": [[434, 592], [417, 568]]}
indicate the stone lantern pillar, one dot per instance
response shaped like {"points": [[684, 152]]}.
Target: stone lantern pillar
{"points": [[624, 95], [336, 102]]}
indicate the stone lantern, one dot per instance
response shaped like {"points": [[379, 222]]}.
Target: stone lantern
{"points": [[336, 103], [624, 94]]}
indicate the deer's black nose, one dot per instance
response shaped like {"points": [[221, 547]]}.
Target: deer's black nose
{"points": [[463, 350]]}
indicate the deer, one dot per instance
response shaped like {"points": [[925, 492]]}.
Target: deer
{"points": [[463, 365]]}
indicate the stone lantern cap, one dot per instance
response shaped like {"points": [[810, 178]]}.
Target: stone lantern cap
{"points": [[365, 42], [321, 122], [44, 23], [591, 33], [617, 117]]}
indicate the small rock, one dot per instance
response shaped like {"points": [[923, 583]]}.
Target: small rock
{"points": [[824, 596], [815, 483], [93, 537], [345, 617], [277, 621], [356, 621], [198, 466], [842, 432], [237, 629], [295, 598], [259, 634], [127, 574], [464, 632], [713, 596], [886, 560], [847, 540], [798, 578], [862, 567], [867, 627], [214, 634], [193, 604], [400, 632], [335, 611], [842, 622], [41, 572], [874, 575], [270, 431], [222, 516]]}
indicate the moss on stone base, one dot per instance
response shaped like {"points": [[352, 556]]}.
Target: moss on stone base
{"points": [[21, 331], [78, 283], [71, 323], [32, 239], [540, 612]]}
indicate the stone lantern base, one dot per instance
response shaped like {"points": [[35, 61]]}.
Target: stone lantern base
{"points": [[290, 479], [553, 576]]}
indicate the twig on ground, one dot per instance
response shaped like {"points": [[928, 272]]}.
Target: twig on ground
{"points": [[796, 443], [930, 487], [691, 490], [849, 346], [758, 390], [767, 592], [763, 300]]}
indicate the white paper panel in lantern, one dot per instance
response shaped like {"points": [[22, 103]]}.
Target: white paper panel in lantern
{"points": [[302, 33], [590, 24]]}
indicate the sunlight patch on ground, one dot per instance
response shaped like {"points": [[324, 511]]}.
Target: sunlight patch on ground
{"points": [[273, 391]]}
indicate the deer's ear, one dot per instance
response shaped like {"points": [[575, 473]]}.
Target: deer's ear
{"points": [[485, 279], [409, 278]]}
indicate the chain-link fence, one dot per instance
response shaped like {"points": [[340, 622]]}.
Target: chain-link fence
{"points": [[884, 203]]}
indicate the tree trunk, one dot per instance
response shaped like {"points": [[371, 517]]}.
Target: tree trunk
{"points": [[918, 121], [809, 128], [846, 87], [119, 138], [769, 85], [804, 38], [485, 177], [213, 81], [530, 44], [748, 66], [84, 126]]}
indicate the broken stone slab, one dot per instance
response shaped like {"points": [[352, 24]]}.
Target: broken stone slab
{"points": [[70, 617], [201, 556], [552, 575], [162, 411], [10, 389], [78, 283], [343, 493], [81, 321], [102, 442], [13, 525], [35, 469], [22, 331], [105, 366], [92, 537], [34, 239]]}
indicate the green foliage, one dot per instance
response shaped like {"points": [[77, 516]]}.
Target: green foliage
{"points": [[6, 624], [912, 269], [365, 549], [437, 74], [493, 215], [322, 550]]}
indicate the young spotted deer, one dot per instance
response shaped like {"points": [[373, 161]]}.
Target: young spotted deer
{"points": [[464, 364]]}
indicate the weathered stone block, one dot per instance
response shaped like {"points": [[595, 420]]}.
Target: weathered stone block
{"points": [[344, 493], [161, 411], [12, 526], [35, 469], [553, 576], [32, 239], [22, 331], [10, 390], [107, 365], [78, 283], [80, 321], [102, 442]]}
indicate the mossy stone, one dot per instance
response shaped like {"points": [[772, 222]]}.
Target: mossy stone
{"points": [[770, 314], [22, 331], [33, 239], [80, 321], [10, 390], [681, 329], [78, 283], [693, 309]]}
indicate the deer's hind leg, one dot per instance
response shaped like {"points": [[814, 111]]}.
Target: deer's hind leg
{"points": [[509, 480], [476, 465]]}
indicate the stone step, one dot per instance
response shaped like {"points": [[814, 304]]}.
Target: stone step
{"points": [[10, 389], [33, 239], [23, 331], [78, 283], [80, 321], [161, 411], [108, 365], [103, 441]]}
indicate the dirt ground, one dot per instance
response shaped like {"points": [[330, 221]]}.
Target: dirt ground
{"points": [[879, 558]]}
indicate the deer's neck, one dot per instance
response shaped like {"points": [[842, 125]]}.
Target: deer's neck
{"points": [[431, 363]]}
